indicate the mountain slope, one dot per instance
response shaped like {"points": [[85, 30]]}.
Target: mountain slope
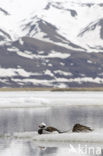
{"points": [[95, 30], [31, 62], [51, 44]]}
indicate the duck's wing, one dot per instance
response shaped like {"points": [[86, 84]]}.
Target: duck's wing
{"points": [[51, 129], [88, 128], [81, 128]]}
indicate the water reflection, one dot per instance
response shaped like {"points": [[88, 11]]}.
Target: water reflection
{"points": [[28, 148], [21, 120], [20, 148], [14, 120]]}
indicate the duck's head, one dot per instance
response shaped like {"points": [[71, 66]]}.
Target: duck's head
{"points": [[77, 125], [42, 125]]}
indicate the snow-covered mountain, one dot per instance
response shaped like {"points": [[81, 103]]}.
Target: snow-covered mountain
{"points": [[51, 43]]}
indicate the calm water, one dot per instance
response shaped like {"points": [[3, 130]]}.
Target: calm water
{"points": [[25, 119]]}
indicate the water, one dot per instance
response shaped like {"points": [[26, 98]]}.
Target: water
{"points": [[22, 112]]}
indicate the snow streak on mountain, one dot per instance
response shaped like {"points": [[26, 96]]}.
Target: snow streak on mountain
{"points": [[51, 43]]}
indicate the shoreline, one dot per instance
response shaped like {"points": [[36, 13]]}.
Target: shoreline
{"points": [[52, 89]]}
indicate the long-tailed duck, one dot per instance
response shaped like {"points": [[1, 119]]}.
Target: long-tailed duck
{"points": [[43, 129], [81, 128]]}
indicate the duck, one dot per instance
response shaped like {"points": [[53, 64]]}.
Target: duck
{"points": [[81, 128], [44, 129]]}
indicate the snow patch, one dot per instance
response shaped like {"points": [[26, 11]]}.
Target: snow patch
{"points": [[21, 41], [13, 49], [11, 72], [24, 54], [48, 72], [50, 65], [63, 73], [89, 61], [54, 54]]}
